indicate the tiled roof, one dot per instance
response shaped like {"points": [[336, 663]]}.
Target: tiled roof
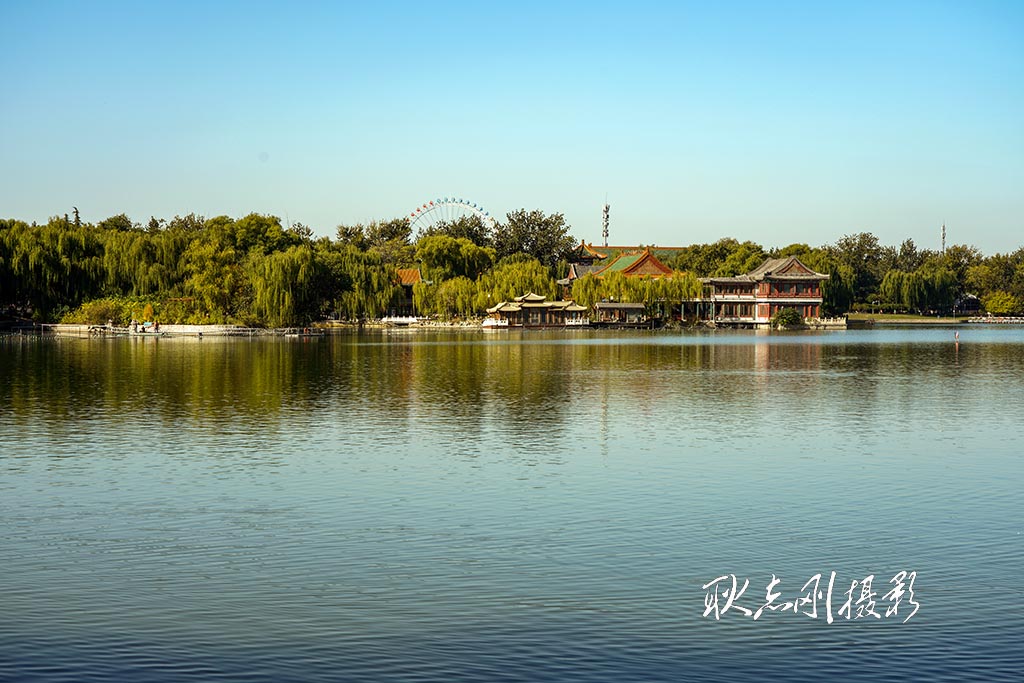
{"points": [[532, 300], [409, 276], [636, 264], [789, 268], [578, 270], [623, 262], [586, 252]]}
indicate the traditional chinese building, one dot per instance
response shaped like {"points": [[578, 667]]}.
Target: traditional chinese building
{"points": [[407, 278], [634, 263], [619, 313], [534, 310], [753, 298]]}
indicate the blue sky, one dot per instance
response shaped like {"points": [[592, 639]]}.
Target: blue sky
{"points": [[777, 122]]}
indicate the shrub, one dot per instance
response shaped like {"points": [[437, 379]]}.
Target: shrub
{"points": [[787, 317], [119, 310]]}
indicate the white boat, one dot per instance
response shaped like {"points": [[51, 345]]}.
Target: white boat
{"points": [[494, 324]]}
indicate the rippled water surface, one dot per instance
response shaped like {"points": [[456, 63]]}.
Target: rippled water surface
{"points": [[535, 507]]}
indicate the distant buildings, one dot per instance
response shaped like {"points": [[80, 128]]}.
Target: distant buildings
{"points": [[748, 300]]}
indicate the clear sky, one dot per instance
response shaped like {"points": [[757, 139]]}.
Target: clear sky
{"points": [[777, 122]]}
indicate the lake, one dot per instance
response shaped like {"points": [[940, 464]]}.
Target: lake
{"points": [[521, 506]]}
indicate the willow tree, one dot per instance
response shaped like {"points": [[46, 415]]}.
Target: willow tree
{"points": [[618, 287], [942, 287], [371, 285], [664, 293], [445, 257], [50, 266], [282, 285], [140, 263], [915, 291], [454, 298], [587, 290], [891, 288], [513, 277], [215, 278]]}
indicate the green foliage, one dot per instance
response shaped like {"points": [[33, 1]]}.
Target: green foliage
{"points": [[118, 310], [48, 267], [587, 291], [511, 278], [118, 222], [927, 288], [742, 259], [371, 285], [214, 278], [260, 233], [455, 298], [252, 269], [1001, 302], [352, 235], [471, 228], [726, 257], [445, 257], [544, 237], [787, 317], [283, 286], [388, 240], [864, 256], [657, 294]]}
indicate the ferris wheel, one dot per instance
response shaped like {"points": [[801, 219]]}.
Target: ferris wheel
{"points": [[446, 210]]}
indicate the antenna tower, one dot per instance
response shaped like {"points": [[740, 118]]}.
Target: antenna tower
{"points": [[604, 221], [943, 237]]}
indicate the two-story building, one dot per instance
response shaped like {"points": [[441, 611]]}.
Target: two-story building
{"points": [[753, 298]]}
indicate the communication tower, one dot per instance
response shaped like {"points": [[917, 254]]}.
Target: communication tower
{"points": [[604, 222]]}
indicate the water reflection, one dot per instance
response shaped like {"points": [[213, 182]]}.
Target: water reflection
{"points": [[529, 388], [531, 505]]}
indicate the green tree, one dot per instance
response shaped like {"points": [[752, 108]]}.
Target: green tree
{"points": [[471, 228], [513, 277], [891, 288], [214, 278], [283, 285], [1001, 302], [118, 222], [445, 257], [455, 298], [741, 258], [352, 235], [370, 285], [190, 223], [864, 256], [787, 317], [379, 233], [544, 237], [264, 234]]}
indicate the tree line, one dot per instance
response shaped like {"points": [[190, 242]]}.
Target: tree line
{"points": [[256, 271]]}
